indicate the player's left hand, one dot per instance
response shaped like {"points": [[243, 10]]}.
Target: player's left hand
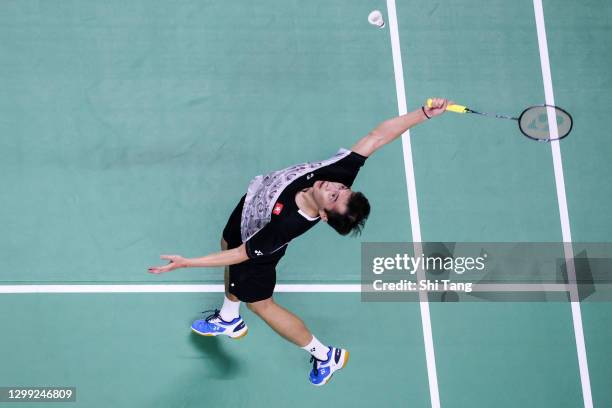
{"points": [[438, 107], [176, 261]]}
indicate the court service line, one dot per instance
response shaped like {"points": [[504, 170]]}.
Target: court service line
{"points": [[563, 212], [412, 203]]}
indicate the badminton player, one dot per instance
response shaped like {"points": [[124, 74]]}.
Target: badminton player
{"points": [[277, 208]]}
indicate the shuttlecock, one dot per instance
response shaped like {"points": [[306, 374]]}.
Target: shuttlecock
{"points": [[376, 18]]}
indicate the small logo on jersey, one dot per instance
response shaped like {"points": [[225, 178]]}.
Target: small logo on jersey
{"points": [[311, 175], [277, 209], [258, 252]]}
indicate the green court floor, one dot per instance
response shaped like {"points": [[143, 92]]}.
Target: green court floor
{"points": [[128, 130]]}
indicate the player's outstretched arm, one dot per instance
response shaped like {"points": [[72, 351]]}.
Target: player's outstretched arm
{"points": [[223, 258], [391, 129]]}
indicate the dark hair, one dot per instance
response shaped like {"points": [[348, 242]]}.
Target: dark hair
{"points": [[357, 212]]}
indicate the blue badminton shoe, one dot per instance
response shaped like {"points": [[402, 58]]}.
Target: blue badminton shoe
{"points": [[214, 325], [322, 371]]}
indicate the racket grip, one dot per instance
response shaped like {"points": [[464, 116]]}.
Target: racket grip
{"points": [[451, 108]]}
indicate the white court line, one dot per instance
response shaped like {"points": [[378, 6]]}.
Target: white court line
{"points": [[218, 288], [170, 288], [412, 203], [563, 212]]}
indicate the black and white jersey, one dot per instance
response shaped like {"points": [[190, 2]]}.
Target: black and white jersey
{"points": [[271, 218]]}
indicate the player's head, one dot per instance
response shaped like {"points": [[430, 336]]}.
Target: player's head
{"points": [[344, 210]]}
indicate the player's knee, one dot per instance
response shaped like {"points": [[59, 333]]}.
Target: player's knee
{"points": [[261, 306]]}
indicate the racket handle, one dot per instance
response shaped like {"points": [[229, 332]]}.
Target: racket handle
{"points": [[451, 108]]}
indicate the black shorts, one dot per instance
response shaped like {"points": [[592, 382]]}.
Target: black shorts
{"points": [[254, 279]]}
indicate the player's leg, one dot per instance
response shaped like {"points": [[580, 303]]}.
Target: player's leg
{"points": [[283, 322], [231, 304], [231, 238], [227, 320], [326, 360], [226, 276]]}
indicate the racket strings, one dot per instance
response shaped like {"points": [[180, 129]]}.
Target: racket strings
{"points": [[545, 123]]}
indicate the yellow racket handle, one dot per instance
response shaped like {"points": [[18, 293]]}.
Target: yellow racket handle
{"points": [[451, 108]]}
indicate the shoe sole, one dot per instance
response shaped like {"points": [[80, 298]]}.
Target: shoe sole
{"points": [[215, 335], [328, 379]]}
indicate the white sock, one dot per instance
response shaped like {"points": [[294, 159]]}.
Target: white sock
{"points": [[230, 310], [317, 349]]}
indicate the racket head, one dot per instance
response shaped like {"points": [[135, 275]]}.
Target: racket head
{"points": [[533, 123]]}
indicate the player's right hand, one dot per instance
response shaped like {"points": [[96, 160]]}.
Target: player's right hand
{"points": [[438, 107]]}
